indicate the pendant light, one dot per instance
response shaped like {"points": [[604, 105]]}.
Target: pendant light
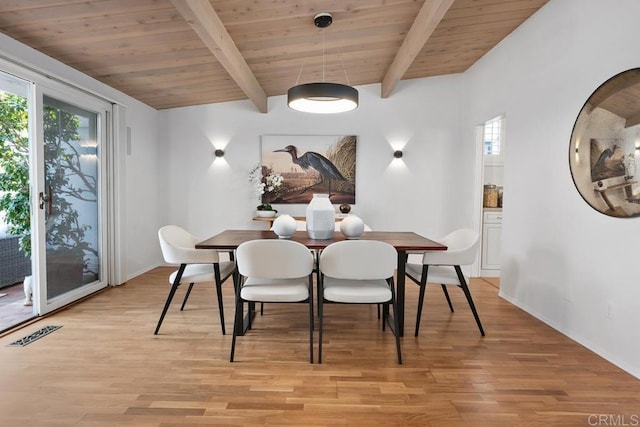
{"points": [[322, 98]]}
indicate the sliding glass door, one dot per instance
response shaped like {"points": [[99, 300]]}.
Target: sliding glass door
{"points": [[68, 172]]}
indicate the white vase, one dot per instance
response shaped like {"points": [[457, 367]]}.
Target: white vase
{"points": [[321, 217], [284, 226], [352, 226], [266, 214]]}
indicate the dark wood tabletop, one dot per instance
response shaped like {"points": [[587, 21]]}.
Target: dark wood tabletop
{"points": [[403, 241]]}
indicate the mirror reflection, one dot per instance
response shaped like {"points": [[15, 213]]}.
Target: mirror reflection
{"points": [[605, 147]]}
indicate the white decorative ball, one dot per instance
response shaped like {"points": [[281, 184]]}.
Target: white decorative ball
{"points": [[352, 226], [284, 226]]}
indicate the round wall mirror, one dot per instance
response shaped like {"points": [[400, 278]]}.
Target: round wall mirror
{"points": [[605, 147]]}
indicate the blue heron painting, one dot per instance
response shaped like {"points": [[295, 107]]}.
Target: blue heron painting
{"points": [[312, 164]]}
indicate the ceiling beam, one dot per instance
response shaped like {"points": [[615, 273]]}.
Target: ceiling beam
{"points": [[428, 18], [632, 121], [206, 23], [611, 88]]}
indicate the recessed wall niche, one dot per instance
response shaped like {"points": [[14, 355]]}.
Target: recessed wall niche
{"points": [[605, 147]]}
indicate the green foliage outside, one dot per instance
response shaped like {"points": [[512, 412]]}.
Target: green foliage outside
{"points": [[64, 178], [14, 168]]}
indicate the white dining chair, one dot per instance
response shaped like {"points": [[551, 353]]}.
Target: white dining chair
{"points": [[273, 271], [444, 268], [195, 266], [358, 272]]}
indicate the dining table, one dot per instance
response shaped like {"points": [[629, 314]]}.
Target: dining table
{"points": [[403, 241]]}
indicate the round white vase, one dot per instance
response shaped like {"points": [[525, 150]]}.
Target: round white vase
{"points": [[266, 214], [321, 217], [352, 226], [284, 226]]}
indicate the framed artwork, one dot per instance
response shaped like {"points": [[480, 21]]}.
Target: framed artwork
{"points": [[605, 147], [308, 164]]}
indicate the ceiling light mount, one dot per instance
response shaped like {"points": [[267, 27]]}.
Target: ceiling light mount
{"points": [[322, 97], [323, 20]]}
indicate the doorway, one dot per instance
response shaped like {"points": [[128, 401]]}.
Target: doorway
{"points": [[54, 158], [15, 230], [490, 142]]}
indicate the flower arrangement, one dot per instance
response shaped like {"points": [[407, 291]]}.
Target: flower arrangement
{"points": [[267, 188]]}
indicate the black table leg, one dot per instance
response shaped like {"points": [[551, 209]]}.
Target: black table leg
{"points": [[400, 291]]}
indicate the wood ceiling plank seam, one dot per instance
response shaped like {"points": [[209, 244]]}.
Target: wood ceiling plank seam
{"points": [[83, 10], [155, 17], [352, 19], [167, 75], [234, 16], [466, 4], [166, 97], [118, 59], [291, 69], [519, 15], [456, 43], [130, 51], [392, 34], [16, 5], [490, 9], [47, 39], [125, 69], [379, 29]]}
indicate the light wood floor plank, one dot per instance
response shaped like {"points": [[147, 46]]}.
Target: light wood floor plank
{"points": [[105, 367]]}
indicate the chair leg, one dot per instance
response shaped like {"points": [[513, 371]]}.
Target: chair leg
{"points": [[320, 316], [220, 307], [423, 286], [467, 293], [218, 280], [385, 315], [172, 292], [186, 296], [311, 319], [446, 294], [237, 319]]}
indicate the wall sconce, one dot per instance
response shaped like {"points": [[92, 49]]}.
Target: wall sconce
{"points": [[219, 152], [397, 154]]}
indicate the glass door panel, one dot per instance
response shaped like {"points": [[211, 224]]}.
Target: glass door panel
{"points": [[71, 182], [70, 195]]}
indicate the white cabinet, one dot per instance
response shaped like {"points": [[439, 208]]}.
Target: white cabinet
{"points": [[491, 235]]}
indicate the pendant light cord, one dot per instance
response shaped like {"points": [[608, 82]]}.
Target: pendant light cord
{"points": [[299, 74], [323, 56], [346, 76]]}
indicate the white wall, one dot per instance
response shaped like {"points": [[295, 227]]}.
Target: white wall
{"points": [[562, 261], [430, 193], [140, 205]]}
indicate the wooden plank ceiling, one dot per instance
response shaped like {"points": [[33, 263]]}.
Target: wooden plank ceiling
{"points": [[169, 53]]}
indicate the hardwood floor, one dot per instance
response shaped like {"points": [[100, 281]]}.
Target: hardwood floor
{"points": [[105, 367], [12, 309]]}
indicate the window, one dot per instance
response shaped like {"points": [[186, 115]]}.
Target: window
{"points": [[494, 139]]}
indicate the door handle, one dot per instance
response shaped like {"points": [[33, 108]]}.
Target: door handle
{"points": [[46, 198]]}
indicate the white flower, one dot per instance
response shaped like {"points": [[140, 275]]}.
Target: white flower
{"points": [[271, 184]]}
